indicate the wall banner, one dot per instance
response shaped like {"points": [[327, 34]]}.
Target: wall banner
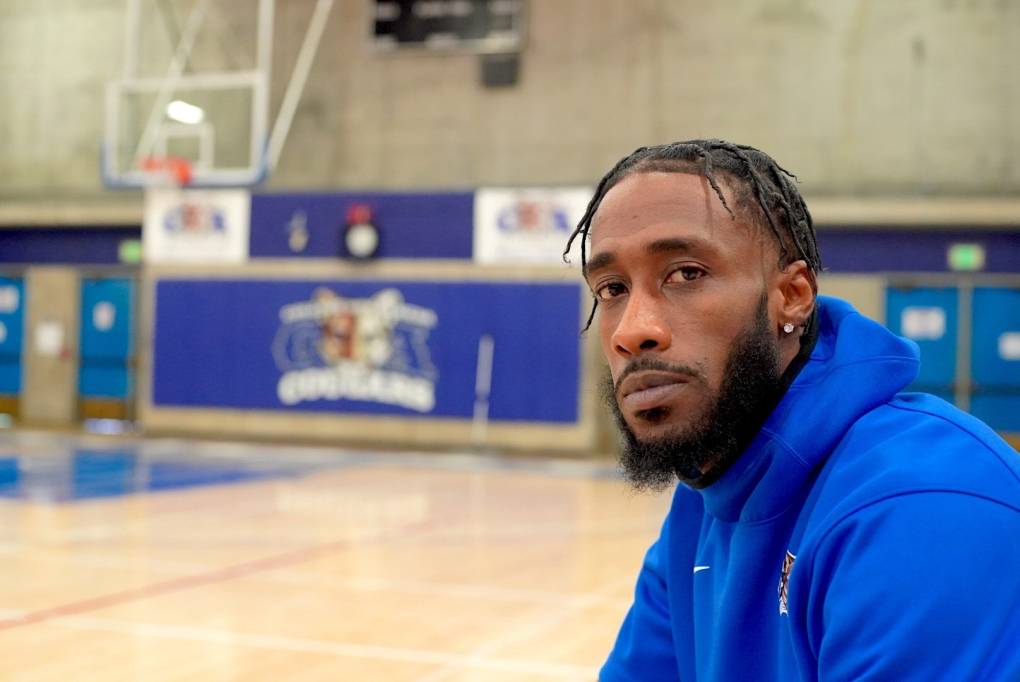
{"points": [[369, 347], [196, 226], [526, 225]]}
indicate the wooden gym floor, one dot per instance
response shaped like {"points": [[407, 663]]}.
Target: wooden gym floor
{"points": [[158, 560]]}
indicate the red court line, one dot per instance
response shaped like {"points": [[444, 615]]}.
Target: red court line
{"points": [[220, 575], [174, 585]]}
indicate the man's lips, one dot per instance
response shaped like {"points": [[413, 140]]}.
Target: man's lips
{"points": [[650, 389]]}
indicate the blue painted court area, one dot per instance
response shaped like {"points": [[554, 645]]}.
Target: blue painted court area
{"points": [[46, 468], [55, 468], [84, 474]]}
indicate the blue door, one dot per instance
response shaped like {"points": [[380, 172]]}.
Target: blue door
{"points": [[12, 307], [928, 317], [996, 358], [106, 380]]}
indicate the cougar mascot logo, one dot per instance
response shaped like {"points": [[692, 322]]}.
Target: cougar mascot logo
{"points": [[370, 349]]}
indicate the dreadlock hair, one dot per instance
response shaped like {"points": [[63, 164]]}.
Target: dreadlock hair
{"points": [[761, 187]]}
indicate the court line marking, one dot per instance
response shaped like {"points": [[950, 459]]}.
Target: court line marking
{"points": [[103, 533], [528, 631], [285, 577], [173, 585], [255, 566], [231, 572], [324, 647]]}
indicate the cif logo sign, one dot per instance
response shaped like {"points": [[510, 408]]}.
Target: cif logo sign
{"points": [[195, 218], [367, 349], [533, 216]]}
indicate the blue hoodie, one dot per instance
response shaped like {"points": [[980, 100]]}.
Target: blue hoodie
{"points": [[865, 534]]}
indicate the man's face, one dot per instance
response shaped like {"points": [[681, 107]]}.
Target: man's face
{"points": [[684, 297]]}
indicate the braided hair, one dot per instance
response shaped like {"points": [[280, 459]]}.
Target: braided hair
{"points": [[760, 186]]}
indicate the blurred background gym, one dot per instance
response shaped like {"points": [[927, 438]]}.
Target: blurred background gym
{"points": [[291, 384]]}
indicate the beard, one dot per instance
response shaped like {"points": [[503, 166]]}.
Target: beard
{"points": [[700, 451]]}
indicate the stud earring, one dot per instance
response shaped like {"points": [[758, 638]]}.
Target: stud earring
{"points": [[788, 327]]}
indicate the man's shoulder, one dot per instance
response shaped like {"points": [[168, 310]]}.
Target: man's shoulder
{"points": [[912, 445], [916, 439], [907, 548]]}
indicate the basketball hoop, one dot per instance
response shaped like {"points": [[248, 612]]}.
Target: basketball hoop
{"points": [[167, 171]]}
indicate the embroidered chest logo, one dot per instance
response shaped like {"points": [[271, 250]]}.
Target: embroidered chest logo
{"points": [[784, 583]]}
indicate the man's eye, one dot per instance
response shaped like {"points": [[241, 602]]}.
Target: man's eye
{"points": [[611, 290], [688, 273]]}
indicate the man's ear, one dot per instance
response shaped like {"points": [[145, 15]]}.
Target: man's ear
{"points": [[797, 289]]}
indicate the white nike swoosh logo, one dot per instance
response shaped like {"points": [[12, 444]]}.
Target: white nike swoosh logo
{"points": [[699, 569]]}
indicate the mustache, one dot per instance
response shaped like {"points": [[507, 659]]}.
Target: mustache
{"points": [[651, 364]]}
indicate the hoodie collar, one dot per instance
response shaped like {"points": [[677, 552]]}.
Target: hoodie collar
{"points": [[855, 366]]}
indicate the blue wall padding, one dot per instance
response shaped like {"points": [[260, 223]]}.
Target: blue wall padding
{"points": [[80, 244], [223, 343], [411, 224], [848, 249]]}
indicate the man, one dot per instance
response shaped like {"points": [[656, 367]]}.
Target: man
{"points": [[827, 526]]}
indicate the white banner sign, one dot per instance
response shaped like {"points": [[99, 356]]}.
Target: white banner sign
{"points": [[196, 226], [527, 225]]}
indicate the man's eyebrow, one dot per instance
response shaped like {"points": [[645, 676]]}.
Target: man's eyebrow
{"points": [[599, 261], [670, 245]]}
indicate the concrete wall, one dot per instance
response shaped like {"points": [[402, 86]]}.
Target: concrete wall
{"points": [[865, 292], [860, 98]]}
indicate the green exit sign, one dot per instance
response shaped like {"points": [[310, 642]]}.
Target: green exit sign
{"points": [[966, 257], [130, 251]]}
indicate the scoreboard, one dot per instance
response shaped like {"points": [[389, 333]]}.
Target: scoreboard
{"points": [[483, 26]]}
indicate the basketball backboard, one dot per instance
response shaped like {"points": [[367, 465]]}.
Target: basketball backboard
{"points": [[195, 89]]}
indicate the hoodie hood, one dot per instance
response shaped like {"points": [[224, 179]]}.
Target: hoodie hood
{"points": [[856, 365]]}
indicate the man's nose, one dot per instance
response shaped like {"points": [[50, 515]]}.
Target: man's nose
{"points": [[641, 328]]}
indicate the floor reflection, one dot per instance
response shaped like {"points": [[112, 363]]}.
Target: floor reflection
{"points": [[79, 474]]}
